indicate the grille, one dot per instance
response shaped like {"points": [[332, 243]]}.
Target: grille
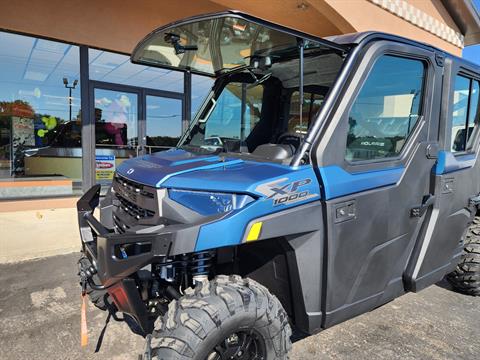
{"points": [[132, 189], [133, 203], [120, 227], [134, 210]]}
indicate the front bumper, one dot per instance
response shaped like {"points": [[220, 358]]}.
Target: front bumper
{"points": [[101, 245]]}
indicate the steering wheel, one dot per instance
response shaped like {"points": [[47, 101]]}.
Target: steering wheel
{"points": [[290, 139]]}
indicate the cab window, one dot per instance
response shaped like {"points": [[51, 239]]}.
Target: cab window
{"points": [[464, 113], [386, 110], [311, 104]]}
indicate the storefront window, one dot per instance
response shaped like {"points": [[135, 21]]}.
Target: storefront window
{"points": [[116, 68], [40, 128], [163, 122]]}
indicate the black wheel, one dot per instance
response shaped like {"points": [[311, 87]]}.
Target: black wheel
{"points": [[466, 277], [226, 318]]}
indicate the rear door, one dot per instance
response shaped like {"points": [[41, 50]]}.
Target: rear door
{"points": [[375, 161], [456, 179]]}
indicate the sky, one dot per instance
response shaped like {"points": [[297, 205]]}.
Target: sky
{"points": [[472, 52]]}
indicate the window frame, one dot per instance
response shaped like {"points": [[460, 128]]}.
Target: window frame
{"points": [[329, 143], [421, 116]]}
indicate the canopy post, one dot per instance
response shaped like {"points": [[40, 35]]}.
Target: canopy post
{"points": [[301, 46]]}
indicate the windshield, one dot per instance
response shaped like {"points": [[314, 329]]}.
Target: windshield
{"points": [[235, 114], [270, 82], [211, 46], [256, 111]]}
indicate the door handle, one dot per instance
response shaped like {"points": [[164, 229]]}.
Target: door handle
{"points": [[427, 201]]}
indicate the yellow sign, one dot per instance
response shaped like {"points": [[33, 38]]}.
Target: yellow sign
{"points": [[104, 168]]}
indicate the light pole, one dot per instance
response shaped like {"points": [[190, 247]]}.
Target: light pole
{"points": [[70, 88]]}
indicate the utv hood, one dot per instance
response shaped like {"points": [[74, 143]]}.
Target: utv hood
{"points": [[184, 170]]}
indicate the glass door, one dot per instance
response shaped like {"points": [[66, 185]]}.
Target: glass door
{"points": [[163, 123], [116, 130]]}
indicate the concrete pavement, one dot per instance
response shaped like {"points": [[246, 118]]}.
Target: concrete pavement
{"points": [[40, 318]]}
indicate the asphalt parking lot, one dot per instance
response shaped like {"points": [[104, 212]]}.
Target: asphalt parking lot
{"points": [[40, 319]]}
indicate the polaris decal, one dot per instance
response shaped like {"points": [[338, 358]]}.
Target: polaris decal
{"points": [[372, 143], [284, 192]]}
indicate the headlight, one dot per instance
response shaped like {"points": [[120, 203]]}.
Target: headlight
{"points": [[209, 203]]}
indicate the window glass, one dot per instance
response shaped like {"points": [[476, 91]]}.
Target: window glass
{"points": [[117, 68], [473, 115], [116, 116], [311, 105], [386, 109], [201, 86], [40, 129], [164, 122], [459, 113], [226, 125]]}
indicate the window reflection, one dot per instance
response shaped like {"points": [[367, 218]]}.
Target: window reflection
{"points": [[164, 123], [465, 103], [38, 117], [116, 68], [116, 118], [386, 110]]}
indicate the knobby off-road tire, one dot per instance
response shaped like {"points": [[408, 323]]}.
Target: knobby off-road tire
{"points": [[217, 313], [466, 277], [99, 298]]}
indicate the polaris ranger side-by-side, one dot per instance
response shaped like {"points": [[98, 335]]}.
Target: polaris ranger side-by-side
{"points": [[320, 179]]}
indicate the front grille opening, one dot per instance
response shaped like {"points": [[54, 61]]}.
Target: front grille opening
{"points": [[134, 187], [125, 251], [119, 226], [134, 210]]}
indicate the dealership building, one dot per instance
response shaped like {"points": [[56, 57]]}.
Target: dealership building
{"points": [[73, 106]]}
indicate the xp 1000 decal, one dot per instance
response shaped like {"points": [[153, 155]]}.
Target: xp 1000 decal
{"points": [[284, 191]]}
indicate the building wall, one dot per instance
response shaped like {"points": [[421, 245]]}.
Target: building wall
{"points": [[365, 15], [119, 26]]}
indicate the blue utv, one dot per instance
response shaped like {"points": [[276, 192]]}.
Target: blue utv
{"points": [[320, 179]]}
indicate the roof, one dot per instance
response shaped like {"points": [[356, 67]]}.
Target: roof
{"points": [[357, 38]]}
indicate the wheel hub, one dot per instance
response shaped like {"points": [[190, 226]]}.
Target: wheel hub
{"points": [[243, 345]]}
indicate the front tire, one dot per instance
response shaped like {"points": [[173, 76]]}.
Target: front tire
{"points": [[99, 298], [228, 317], [466, 277]]}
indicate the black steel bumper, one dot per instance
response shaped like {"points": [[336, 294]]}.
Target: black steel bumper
{"points": [[101, 245]]}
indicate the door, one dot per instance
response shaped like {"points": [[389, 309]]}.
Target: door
{"points": [[456, 180], [116, 115], [376, 174], [131, 121]]}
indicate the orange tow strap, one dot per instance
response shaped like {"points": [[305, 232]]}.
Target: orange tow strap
{"points": [[83, 322]]}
